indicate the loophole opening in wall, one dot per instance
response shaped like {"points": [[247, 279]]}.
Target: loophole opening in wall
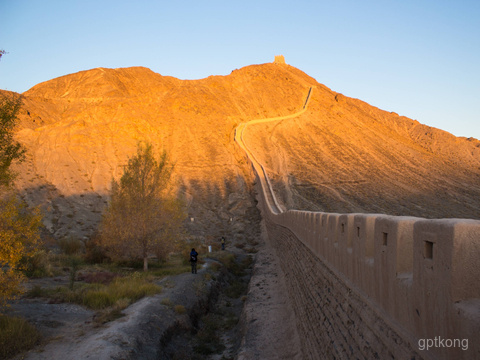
{"points": [[428, 250], [384, 238]]}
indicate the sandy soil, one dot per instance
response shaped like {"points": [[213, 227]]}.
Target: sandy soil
{"points": [[269, 321]]}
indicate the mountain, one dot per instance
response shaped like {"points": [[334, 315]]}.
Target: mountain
{"points": [[341, 155]]}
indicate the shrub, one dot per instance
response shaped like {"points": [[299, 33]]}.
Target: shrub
{"points": [[207, 342], [38, 265], [228, 260], [16, 335], [35, 292], [98, 299], [70, 246], [166, 302], [214, 266], [94, 253], [98, 277], [236, 289], [180, 309]]}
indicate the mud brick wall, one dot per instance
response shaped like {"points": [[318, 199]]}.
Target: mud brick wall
{"points": [[334, 322]]}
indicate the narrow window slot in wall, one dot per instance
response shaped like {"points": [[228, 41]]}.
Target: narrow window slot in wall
{"points": [[384, 239], [428, 251], [343, 228], [358, 231]]}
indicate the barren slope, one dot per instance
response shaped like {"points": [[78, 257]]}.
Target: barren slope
{"points": [[344, 155], [79, 130]]}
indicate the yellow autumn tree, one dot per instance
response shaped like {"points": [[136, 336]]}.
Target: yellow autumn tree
{"points": [[143, 217], [19, 237], [19, 227]]}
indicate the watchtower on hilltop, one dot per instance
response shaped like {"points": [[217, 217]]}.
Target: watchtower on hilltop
{"points": [[279, 59]]}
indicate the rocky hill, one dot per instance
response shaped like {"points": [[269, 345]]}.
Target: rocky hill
{"points": [[342, 155]]}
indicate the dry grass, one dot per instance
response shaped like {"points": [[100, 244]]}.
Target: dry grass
{"points": [[120, 292], [16, 335]]}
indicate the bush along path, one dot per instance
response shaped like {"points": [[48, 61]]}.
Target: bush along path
{"points": [[212, 330]]}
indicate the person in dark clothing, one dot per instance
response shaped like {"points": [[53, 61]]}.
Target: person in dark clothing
{"points": [[193, 260], [223, 243]]}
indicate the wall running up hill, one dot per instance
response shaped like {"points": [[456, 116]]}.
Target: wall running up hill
{"points": [[377, 286]]}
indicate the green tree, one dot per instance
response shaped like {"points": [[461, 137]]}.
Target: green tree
{"points": [[143, 217], [10, 150]]}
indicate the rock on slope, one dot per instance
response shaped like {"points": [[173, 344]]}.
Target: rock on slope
{"points": [[341, 155]]}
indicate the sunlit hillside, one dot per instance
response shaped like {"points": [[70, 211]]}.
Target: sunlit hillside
{"points": [[342, 155]]}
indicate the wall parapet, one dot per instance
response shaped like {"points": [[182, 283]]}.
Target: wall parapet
{"points": [[422, 273]]}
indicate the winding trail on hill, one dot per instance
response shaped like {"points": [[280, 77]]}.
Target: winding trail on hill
{"points": [[270, 323], [267, 188]]}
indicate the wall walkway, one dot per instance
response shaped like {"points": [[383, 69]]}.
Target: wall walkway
{"points": [[372, 285]]}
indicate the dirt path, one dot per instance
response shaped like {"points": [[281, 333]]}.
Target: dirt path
{"points": [[269, 321], [69, 332]]}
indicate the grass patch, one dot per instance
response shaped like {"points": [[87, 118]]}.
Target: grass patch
{"points": [[236, 289], [170, 270], [16, 335], [125, 290], [166, 302], [131, 288], [227, 259], [112, 313], [180, 309], [207, 342]]}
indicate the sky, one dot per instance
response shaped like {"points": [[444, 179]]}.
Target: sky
{"points": [[418, 58]]}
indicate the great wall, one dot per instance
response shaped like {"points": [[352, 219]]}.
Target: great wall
{"points": [[372, 285]]}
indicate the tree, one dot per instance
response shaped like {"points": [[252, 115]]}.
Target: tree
{"points": [[19, 237], [143, 217], [19, 228], [10, 150]]}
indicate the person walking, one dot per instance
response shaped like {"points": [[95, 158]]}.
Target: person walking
{"points": [[223, 243], [193, 260]]}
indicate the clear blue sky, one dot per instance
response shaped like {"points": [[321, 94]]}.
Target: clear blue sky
{"points": [[419, 58]]}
